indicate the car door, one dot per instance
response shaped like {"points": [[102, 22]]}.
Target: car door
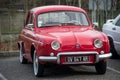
{"points": [[116, 36], [29, 35]]}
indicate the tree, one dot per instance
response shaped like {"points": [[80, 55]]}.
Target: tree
{"points": [[113, 7]]}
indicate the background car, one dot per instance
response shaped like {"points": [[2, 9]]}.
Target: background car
{"points": [[62, 35], [112, 30]]}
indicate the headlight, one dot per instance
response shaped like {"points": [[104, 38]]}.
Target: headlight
{"points": [[98, 43], [55, 45]]}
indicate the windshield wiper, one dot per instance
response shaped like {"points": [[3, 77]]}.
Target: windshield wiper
{"points": [[50, 24], [70, 23]]}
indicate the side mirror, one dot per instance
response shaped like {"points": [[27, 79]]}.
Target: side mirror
{"points": [[30, 26], [95, 25]]}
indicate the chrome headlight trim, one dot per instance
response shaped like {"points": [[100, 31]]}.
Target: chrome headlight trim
{"points": [[55, 45], [98, 43]]}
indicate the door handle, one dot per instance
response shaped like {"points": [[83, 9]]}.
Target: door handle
{"points": [[114, 28]]}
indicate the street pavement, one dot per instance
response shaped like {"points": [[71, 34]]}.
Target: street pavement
{"points": [[11, 69]]}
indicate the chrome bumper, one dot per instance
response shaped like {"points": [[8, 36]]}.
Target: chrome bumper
{"points": [[104, 56], [57, 58]]}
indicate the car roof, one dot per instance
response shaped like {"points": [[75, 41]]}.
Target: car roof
{"points": [[42, 9]]}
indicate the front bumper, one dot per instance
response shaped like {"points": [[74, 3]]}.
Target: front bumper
{"points": [[57, 58]]}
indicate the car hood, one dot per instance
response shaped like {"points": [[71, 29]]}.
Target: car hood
{"points": [[74, 37]]}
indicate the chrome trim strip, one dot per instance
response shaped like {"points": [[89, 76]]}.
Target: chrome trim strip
{"points": [[118, 43]]}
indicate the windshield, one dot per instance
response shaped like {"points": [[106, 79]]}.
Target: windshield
{"points": [[59, 18]]}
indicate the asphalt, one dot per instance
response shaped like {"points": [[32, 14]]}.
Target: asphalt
{"points": [[11, 69]]}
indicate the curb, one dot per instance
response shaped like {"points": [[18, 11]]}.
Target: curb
{"points": [[9, 53]]}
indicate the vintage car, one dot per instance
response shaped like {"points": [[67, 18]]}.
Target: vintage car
{"points": [[62, 35], [112, 29]]}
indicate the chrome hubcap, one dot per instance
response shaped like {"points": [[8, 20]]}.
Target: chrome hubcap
{"points": [[20, 55], [35, 63]]}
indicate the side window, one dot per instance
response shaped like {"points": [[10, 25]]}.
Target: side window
{"points": [[118, 23], [30, 20]]}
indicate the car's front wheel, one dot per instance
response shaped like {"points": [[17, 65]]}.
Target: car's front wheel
{"points": [[101, 67], [37, 67]]}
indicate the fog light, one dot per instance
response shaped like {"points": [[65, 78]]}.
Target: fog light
{"points": [[101, 52], [51, 54]]}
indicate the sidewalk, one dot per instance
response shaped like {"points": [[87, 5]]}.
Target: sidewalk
{"points": [[8, 53]]}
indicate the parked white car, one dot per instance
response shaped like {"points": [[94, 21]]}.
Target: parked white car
{"points": [[112, 29]]}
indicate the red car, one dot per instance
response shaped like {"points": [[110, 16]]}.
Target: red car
{"points": [[62, 35]]}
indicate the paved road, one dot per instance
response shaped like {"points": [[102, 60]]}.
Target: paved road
{"points": [[11, 69]]}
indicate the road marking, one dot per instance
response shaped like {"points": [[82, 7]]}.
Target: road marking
{"points": [[112, 69], [2, 77]]}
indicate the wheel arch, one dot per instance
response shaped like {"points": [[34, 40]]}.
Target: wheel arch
{"points": [[32, 51], [112, 47], [110, 39], [20, 43]]}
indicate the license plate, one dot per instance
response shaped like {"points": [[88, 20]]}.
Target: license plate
{"points": [[70, 59]]}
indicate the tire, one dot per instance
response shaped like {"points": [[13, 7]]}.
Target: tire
{"points": [[37, 67], [101, 67], [21, 56], [112, 49]]}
